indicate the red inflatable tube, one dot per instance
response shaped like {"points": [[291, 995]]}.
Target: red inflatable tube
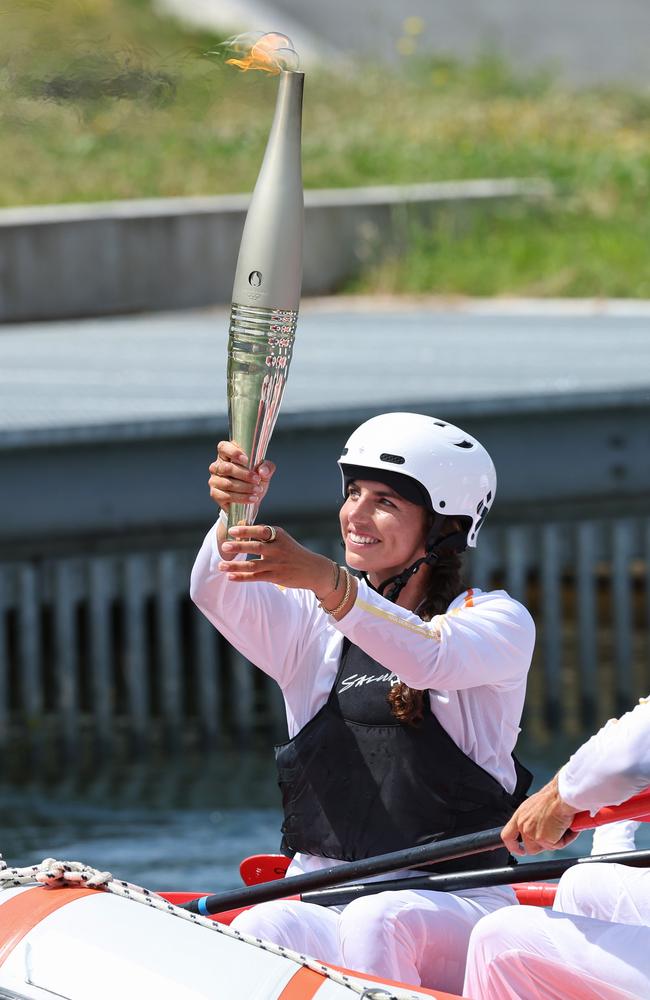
{"points": [[638, 807]]}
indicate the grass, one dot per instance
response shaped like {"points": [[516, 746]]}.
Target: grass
{"points": [[101, 99]]}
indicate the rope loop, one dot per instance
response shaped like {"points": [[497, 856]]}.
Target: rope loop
{"points": [[57, 874]]}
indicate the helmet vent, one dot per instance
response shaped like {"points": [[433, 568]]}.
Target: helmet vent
{"points": [[439, 423], [463, 444], [395, 459], [344, 452]]}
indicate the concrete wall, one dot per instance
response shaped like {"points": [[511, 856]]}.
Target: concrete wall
{"points": [[66, 490], [60, 261]]}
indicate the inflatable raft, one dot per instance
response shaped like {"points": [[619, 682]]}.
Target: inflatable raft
{"points": [[84, 944], [102, 943]]}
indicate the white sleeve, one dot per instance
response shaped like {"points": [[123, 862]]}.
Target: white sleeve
{"points": [[612, 766], [482, 639], [269, 625], [615, 837]]}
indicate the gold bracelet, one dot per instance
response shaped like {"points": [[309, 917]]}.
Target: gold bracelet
{"points": [[348, 589], [336, 580]]}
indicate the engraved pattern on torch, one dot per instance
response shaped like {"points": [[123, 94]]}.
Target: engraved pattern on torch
{"points": [[260, 346]]}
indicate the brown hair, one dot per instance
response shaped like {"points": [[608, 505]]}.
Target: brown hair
{"points": [[445, 583]]}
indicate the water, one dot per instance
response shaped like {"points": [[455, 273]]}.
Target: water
{"points": [[177, 826], [182, 826]]}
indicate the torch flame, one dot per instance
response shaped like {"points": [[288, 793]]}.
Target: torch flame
{"points": [[269, 52]]}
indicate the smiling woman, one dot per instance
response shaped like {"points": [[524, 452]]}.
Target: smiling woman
{"points": [[403, 690], [383, 532]]}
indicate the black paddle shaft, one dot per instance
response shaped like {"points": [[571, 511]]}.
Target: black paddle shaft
{"points": [[534, 871], [413, 857]]}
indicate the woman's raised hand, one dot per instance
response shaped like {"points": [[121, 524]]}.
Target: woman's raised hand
{"points": [[231, 481], [282, 560]]}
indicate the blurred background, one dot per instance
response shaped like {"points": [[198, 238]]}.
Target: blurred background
{"points": [[476, 247]]}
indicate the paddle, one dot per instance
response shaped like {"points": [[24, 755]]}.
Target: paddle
{"points": [[535, 871], [412, 857], [637, 807]]}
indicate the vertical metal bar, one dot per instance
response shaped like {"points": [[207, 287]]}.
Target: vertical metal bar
{"points": [[29, 646], [4, 658], [552, 619], [621, 593], [169, 645], [480, 567], [99, 641], [516, 548], [587, 622], [65, 648], [209, 676], [135, 652]]}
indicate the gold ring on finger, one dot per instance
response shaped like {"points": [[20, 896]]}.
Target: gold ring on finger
{"points": [[274, 534]]}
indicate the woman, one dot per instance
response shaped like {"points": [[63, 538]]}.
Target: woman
{"points": [[403, 691]]}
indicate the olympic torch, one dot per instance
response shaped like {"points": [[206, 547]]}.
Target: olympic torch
{"points": [[266, 292]]}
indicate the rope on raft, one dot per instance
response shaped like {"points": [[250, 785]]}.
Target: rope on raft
{"points": [[54, 874]]}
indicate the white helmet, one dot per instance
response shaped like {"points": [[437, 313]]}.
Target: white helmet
{"points": [[439, 465]]}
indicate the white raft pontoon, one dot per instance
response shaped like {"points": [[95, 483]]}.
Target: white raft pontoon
{"points": [[84, 944]]}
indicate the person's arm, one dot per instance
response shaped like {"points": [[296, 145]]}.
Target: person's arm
{"points": [[606, 770], [612, 766], [611, 838], [487, 639], [267, 624]]}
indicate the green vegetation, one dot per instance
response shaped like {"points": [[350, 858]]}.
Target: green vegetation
{"points": [[102, 99]]}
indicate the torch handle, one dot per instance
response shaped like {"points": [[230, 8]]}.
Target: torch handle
{"points": [[260, 346]]}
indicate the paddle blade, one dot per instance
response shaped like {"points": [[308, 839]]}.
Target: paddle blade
{"points": [[263, 868], [535, 893]]}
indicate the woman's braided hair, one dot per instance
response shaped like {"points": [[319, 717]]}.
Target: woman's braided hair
{"points": [[445, 583]]}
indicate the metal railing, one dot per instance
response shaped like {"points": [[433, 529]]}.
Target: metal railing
{"points": [[108, 646]]}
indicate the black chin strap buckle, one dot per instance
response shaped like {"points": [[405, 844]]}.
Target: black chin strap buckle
{"points": [[456, 542], [400, 581]]}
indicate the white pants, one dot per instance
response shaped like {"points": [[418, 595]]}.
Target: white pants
{"points": [[419, 938], [606, 892], [595, 943]]}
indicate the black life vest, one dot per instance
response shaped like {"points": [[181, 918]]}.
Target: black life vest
{"points": [[356, 782]]}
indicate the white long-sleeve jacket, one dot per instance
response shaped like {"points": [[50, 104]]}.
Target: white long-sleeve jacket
{"points": [[473, 660], [612, 766]]}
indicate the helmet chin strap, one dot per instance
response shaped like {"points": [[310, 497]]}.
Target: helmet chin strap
{"points": [[437, 545]]}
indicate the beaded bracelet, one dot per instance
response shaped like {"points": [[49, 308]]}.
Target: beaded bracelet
{"points": [[348, 589]]}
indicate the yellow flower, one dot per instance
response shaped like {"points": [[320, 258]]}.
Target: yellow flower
{"points": [[413, 26]]}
